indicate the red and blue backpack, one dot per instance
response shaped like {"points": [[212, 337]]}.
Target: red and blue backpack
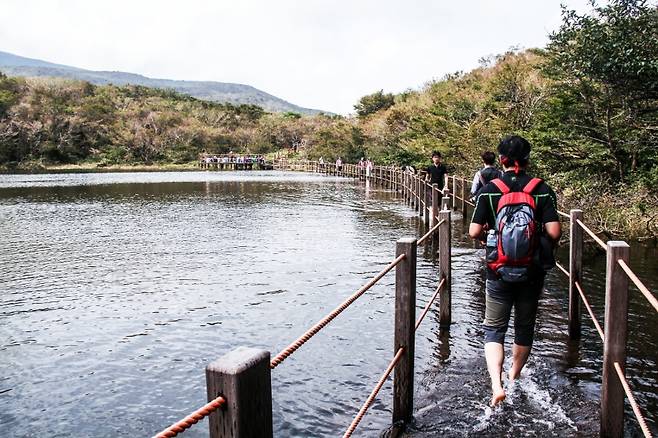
{"points": [[517, 233]]}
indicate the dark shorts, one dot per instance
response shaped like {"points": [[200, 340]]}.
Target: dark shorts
{"points": [[501, 297]]}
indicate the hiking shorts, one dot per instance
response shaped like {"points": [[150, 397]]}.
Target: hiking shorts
{"points": [[501, 297]]}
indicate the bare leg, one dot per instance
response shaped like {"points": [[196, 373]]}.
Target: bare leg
{"points": [[494, 353], [520, 355]]}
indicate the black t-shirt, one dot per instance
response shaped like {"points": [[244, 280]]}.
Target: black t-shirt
{"points": [[437, 174], [487, 202]]}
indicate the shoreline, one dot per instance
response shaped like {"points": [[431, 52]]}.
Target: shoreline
{"points": [[95, 168]]}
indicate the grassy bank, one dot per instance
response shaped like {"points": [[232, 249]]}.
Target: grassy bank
{"points": [[31, 167]]}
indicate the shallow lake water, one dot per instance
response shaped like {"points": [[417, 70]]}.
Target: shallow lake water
{"points": [[117, 290]]}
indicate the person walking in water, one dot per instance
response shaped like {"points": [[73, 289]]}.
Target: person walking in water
{"points": [[485, 175], [436, 171], [520, 215], [339, 165]]}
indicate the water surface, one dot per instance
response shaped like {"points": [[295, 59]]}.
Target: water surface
{"points": [[117, 289]]}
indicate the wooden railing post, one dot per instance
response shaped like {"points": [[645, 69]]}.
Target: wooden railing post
{"points": [[435, 205], [445, 296], [405, 318], [575, 272], [426, 204], [463, 192], [418, 195], [421, 195], [414, 194], [243, 378], [454, 193], [614, 345], [445, 203]]}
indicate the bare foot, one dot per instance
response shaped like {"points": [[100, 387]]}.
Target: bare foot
{"points": [[497, 397]]}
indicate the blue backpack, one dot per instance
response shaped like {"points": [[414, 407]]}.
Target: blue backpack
{"points": [[517, 233]]}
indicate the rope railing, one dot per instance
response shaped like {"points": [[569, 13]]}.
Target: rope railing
{"points": [[373, 394], [591, 234], [589, 310], [193, 418], [414, 189], [391, 366], [632, 401], [290, 349], [429, 303], [430, 232], [561, 268], [634, 278]]}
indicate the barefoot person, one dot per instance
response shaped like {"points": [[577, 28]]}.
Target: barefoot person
{"points": [[520, 214]]}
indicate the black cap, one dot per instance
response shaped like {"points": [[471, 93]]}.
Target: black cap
{"points": [[515, 148]]}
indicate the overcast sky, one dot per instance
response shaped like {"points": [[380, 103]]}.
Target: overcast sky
{"points": [[314, 53]]}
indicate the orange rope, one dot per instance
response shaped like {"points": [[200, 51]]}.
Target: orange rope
{"points": [[592, 235], [192, 419], [589, 310], [290, 349], [647, 294], [561, 268], [631, 399], [429, 233], [429, 303], [373, 394]]}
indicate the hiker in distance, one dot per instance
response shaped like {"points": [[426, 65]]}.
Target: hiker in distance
{"points": [[436, 171], [484, 176], [517, 216]]}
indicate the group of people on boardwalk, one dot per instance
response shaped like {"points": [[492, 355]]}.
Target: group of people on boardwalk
{"points": [[516, 219], [231, 159]]}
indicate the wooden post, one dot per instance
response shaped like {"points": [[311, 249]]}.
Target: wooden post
{"points": [[413, 191], [426, 204], [445, 296], [435, 205], [575, 272], [423, 197], [445, 203], [405, 187], [454, 193], [464, 211], [614, 345], [243, 378], [405, 318], [408, 189]]}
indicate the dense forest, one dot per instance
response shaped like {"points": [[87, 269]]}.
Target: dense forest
{"points": [[588, 103]]}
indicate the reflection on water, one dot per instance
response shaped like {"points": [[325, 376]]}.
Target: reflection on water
{"points": [[118, 289]]}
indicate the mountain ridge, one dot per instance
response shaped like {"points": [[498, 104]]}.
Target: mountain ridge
{"points": [[225, 92]]}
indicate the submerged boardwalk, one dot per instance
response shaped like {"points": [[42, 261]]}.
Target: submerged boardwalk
{"points": [[239, 383]]}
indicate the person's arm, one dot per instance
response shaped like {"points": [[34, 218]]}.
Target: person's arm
{"points": [[475, 231], [553, 230], [478, 223], [476, 183], [552, 227]]}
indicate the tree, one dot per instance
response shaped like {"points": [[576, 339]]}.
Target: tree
{"points": [[373, 103], [605, 66]]}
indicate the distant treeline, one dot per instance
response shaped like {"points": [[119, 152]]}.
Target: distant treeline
{"points": [[588, 102]]}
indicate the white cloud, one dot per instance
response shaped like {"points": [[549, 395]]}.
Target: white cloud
{"points": [[315, 53]]}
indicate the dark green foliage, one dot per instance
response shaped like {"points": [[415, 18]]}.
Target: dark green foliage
{"points": [[605, 95], [374, 102]]}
